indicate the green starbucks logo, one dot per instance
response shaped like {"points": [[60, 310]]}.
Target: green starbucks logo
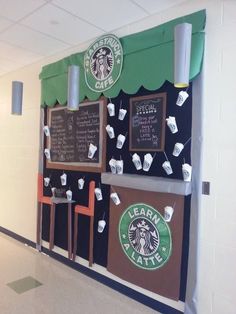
{"points": [[145, 237], [103, 63]]}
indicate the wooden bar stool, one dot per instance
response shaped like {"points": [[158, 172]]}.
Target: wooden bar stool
{"points": [[88, 211], [52, 202]]}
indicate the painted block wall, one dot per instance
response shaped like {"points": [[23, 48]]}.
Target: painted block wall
{"points": [[19, 141]]}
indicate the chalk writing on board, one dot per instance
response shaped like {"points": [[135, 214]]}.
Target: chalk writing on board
{"points": [[86, 132], [147, 122], [72, 132]]}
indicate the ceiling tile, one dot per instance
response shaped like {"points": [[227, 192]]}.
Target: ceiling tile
{"points": [[4, 23], [58, 23], [15, 10], [154, 6], [33, 41], [105, 14], [8, 65], [18, 55]]}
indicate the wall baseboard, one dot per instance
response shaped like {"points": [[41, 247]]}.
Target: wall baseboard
{"points": [[135, 295]]}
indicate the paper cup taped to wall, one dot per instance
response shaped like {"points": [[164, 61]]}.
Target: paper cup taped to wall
{"points": [[137, 161], [177, 149], [98, 193], [110, 131], [181, 98], [115, 198], [187, 172], [101, 225], [111, 109], [122, 114], [171, 122], [47, 153], [148, 159], [63, 178], [69, 195], [46, 181], [167, 167], [92, 150], [81, 184], [46, 130], [53, 190], [119, 166], [120, 141], [168, 213], [112, 164]]}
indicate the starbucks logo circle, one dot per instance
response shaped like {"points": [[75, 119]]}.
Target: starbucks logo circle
{"points": [[145, 237], [103, 63]]}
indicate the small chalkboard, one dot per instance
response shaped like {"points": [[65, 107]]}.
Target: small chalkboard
{"points": [[71, 133], [147, 123]]}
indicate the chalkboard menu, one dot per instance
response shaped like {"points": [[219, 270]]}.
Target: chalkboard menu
{"points": [[72, 132], [147, 123]]}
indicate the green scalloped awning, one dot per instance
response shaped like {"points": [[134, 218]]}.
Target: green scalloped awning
{"points": [[148, 62]]}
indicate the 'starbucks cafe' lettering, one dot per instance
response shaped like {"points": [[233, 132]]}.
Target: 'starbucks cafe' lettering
{"points": [[145, 237], [103, 63]]}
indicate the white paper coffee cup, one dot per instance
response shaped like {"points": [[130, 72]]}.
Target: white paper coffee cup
{"points": [[182, 96], [148, 159], [47, 153], [81, 184], [111, 109], [168, 213], [69, 195], [46, 181], [101, 225], [122, 113], [171, 122], [119, 166], [137, 161], [167, 167], [92, 150], [110, 131], [112, 164], [177, 149], [120, 141], [53, 190], [63, 179], [114, 196], [98, 193], [46, 130], [187, 172]]}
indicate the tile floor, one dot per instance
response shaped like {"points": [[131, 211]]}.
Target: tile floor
{"points": [[62, 289]]}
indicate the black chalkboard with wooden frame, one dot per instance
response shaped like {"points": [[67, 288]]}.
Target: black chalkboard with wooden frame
{"points": [[71, 133], [147, 123]]}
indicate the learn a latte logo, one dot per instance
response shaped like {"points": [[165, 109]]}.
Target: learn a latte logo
{"points": [[145, 237], [103, 63]]}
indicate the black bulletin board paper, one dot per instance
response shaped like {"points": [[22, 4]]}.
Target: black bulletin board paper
{"points": [[147, 122], [71, 133], [184, 121]]}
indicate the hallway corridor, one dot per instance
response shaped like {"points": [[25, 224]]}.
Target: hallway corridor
{"points": [[53, 288]]}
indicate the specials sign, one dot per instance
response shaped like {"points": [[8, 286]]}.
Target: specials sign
{"points": [[103, 63]]}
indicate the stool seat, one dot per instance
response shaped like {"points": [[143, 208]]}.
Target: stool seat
{"points": [[45, 200]]}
